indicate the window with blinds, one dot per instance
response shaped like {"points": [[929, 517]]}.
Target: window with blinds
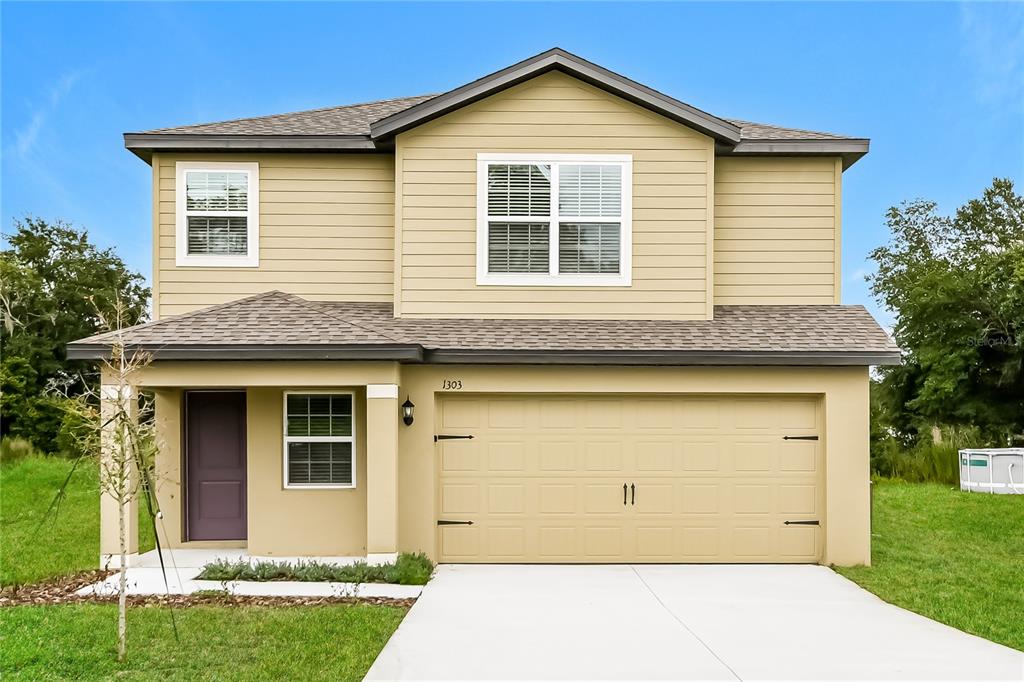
{"points": [[217, 214], [554, 220], [319, 440]]}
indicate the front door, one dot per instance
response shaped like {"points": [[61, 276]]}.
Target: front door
{"points": [[215, 465]]}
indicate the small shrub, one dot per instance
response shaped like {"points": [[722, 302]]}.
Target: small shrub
{"points": [[409, 569], [13, 448], [412, 569]]}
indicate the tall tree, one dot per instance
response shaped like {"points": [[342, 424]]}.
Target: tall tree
{"points": [[55, 287], [956, 286]]}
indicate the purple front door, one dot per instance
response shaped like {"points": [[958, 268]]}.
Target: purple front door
{"points": [[215, 465]]}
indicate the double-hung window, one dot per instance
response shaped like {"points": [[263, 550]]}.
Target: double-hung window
{"points": [[319, 440], [217, 214], [554, 219]]}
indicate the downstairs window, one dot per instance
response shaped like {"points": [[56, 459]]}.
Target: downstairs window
{"points": [[319, 441]]}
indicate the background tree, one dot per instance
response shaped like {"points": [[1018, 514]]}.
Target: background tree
{"points": [[55, 287], [956, 286]]}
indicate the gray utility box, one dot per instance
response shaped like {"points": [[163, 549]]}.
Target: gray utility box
{"points": [[993, 470]]}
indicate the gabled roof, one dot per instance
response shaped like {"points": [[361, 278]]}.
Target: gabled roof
{"points": [[371, 126], [277, 325], [557, 59]]}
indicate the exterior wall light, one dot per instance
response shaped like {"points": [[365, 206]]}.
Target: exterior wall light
{"points": [[407, 408]]}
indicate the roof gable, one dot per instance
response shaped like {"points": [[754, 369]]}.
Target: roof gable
{"points": [[556, 60], [371, 126]]}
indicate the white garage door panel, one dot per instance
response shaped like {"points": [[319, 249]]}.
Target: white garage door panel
{"points": [[707, 479]]}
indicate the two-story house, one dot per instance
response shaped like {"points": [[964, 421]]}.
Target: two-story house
{"points": [[552, 315]]}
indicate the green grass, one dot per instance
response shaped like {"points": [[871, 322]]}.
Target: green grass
{"points": [[217, 643], [952, 556], [34, 546], [78, 641], [409, 569]]}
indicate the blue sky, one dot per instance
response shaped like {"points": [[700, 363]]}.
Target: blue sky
{"points": [[939, 88]]}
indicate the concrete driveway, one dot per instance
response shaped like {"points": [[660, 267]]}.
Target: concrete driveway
{"points": [[673, 622]]}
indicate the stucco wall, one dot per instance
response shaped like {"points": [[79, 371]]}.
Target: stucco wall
{"points": [[844, 391], [334, 522], [283, 522]]}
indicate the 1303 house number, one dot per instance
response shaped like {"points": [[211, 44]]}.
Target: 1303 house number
{"points": [[451, 384]]}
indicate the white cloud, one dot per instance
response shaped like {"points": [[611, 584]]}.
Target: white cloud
{"points": [[25, 139], [992, 37]]}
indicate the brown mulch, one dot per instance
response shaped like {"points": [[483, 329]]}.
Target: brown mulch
{"points": [[62, 591]]}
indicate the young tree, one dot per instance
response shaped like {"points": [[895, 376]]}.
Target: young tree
{"points": [[106, 430], [55, 287], [956, 286]]}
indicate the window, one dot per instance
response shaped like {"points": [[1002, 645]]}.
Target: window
{"points": [[319, 440], [554, 219], [217, 220]]}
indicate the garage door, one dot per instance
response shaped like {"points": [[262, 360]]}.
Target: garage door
{"points": [[603, 479]]}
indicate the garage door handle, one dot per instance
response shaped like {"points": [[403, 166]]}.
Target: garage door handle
{"points": [[623, 494], [632, 490], [803, 523]]}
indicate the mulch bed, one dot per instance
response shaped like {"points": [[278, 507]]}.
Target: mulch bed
{"points": [[62, 591]]}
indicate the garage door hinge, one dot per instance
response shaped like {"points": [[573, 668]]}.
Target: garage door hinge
{"points": [[442, 522], [444, 436], [799, 438], [815, 522]]}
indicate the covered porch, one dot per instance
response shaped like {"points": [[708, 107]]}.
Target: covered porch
{"points": [[273, 459]]}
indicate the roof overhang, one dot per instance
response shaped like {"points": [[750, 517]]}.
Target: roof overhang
{"points": [[849, 149], [144, 145], [416, 354], [400, 353], [556, 60]]}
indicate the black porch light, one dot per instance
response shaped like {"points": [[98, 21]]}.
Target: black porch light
{"points": [[407, 408]]}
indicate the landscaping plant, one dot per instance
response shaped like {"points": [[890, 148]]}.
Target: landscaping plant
{"points": [[104, 428], [408, 569]]}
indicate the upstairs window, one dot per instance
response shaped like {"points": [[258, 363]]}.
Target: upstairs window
{"points": [[554, 219], [217, 208]]}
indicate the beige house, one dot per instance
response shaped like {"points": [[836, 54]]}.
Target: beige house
{"points": [[552, 315]]}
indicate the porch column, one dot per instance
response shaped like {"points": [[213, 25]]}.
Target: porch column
{"points": [[381, 473], [110, 544]]}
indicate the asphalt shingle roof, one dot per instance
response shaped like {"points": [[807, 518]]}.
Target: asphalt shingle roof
{"points": [[349, 119], [280, 319], [355, 119]]}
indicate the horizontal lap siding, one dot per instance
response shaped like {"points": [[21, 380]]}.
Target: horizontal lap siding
{"points": [[776, 230], [326, 232], [436, 169]]}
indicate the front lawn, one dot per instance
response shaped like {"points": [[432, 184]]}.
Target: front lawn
{"points": [[35, 546], [78, 641], [952, 556], [217, 642]]}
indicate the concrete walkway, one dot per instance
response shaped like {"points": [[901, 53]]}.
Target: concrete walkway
{"points": [[673, 622], [145, 577]]}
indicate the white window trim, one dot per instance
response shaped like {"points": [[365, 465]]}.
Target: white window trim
{"points": [[316, 439], [623, 278], [182, 256]]}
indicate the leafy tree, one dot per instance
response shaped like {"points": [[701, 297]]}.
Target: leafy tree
{"points": [[956, 285], [55, 287]]}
